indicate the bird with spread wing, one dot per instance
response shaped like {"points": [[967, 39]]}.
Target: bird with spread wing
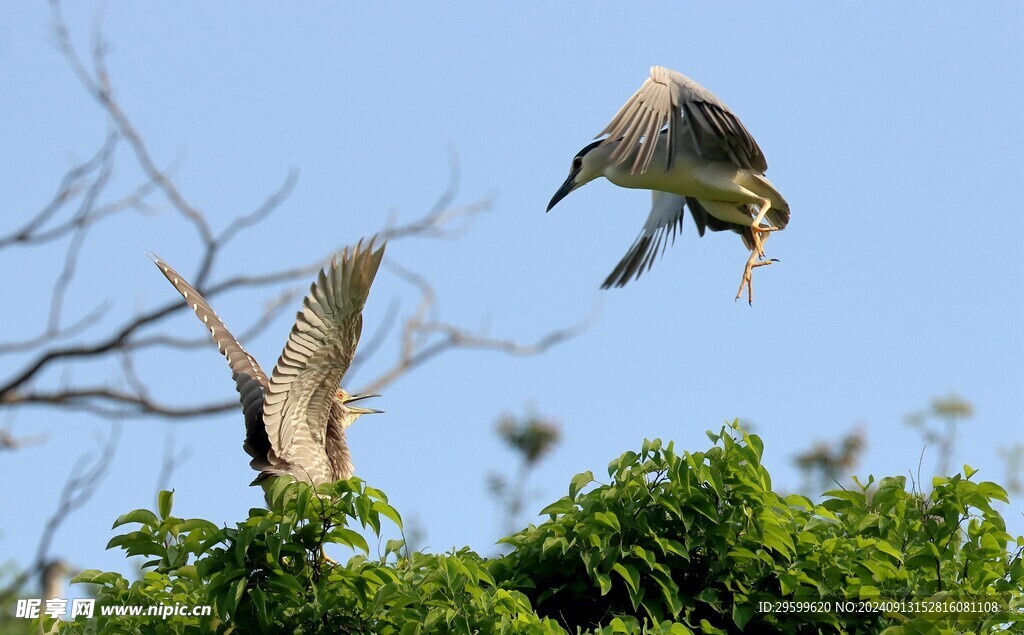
{"points": [[295, 420], [677, 139]]}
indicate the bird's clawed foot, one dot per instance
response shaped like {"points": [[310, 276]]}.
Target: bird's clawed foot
{"points": [[758, 241], [748, 276]]}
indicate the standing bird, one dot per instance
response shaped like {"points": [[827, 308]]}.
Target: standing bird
{"points": [[295, 421], [679, 140]]}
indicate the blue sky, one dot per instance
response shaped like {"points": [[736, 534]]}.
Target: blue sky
{"points": [[892, 131]]}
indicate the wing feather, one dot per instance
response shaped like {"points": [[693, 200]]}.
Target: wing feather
{"points": [[319, 351], [668, 98], [666, 216], [250, 380]]}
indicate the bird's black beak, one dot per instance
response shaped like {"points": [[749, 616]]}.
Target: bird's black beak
{"points": [[360, 410], [568, 186]]}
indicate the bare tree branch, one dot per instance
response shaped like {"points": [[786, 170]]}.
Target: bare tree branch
{"points": [[71, 185], [97, 83], [172, 460], [248, 220], [48, 357], [82, 483], [9, 442], [48, 336], [74, 249], [422, 337], [438, 221], [121, 338], [369, 348], [131, 404], [274, 308]]}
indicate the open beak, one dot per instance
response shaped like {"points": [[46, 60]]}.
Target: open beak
{"points": [[568, 186], [358, 409]]}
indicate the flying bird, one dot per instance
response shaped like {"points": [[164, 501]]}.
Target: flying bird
{"points": [[295, 420], [677, 139]]}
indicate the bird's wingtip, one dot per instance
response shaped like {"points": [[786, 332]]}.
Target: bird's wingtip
{"points": [[380, 247], [372, 246]]}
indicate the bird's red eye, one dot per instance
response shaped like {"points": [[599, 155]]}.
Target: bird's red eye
{"points": [[577, 163]]}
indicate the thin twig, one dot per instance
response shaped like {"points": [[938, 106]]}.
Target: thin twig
{"points": [[419, 343], [82, 483]]}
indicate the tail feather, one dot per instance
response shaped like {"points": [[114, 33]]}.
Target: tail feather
{"points": [[778, 215]]}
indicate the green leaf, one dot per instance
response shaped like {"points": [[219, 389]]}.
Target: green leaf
{"points": [[920, 560], [704, 507], [741, 614], [992, 490], [608, 519], [95, 576], [741, 553], [629, 574], [196, 523], [132, 537], [563, 505], [580, 481], [259, 602], [237, 589], [286, 585], [141, 548], [164, 501], [559, 544], [412, 628], [348, 537], [278, 490], [868, 592], [886, 548], [386, 510], [659, 511], [757, 444], [143, 516], [364, 511], [779, 539], [670, 593], [302, 499]]}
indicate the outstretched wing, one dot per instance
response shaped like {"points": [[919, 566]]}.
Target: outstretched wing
{"points": [[318, 352], [250, 381], [664, 100], [666, 218]]}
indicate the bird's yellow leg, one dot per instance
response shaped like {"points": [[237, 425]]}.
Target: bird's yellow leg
{"points": [[763, 209], [756, 229], [748, 275], [758, 241], [757, 252]]}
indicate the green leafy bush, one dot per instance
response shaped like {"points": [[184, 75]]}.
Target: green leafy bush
{"points": [[673, 543]]}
